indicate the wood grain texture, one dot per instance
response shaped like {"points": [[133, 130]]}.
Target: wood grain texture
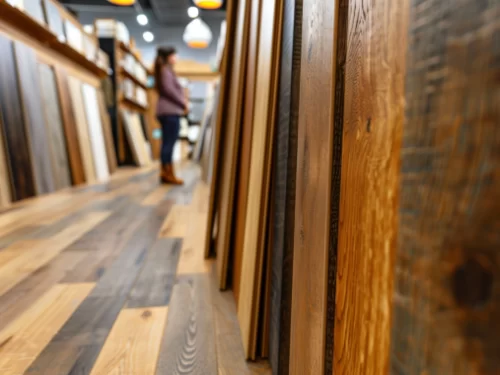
{"points": [[312, 281], [446, 298], [29, 86], [176, 223], [70, 126], [189, 335], [232, 141], [54, 122], [371, 139], [95, 132], [246, 147], [154, 285], [26, 337], [14, 132], [133, 344], [260, 171], [284, 191], [82, 128], [5, 185], [108, 136]]}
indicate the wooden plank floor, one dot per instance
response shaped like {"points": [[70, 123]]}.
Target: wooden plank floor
{"points": [[111, 279]]}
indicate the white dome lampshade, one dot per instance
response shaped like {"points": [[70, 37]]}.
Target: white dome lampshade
{"points": [[208, 4], [197, 34]]}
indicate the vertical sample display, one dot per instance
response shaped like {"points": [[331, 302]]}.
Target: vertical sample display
{"points": [[108, 135]]}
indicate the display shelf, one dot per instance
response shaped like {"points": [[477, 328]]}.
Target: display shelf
{"points": [[133, 78], [40, 32], [127, 49], [133, 105]]}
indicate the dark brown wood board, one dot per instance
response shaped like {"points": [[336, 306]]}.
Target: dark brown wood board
{"points": [[53, 120], [446, 300], [246, 147], [70, 127], [189, 334], [14, 132], [317, 154], [29, 86], [260, 173], [231, 141], [285, 150]]}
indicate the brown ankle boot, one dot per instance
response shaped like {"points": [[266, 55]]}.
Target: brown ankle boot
{"points": [[167, 175], [178, 181]]}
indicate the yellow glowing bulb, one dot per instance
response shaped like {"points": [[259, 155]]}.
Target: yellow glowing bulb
{"points": [[122, 2], [208, 4]]}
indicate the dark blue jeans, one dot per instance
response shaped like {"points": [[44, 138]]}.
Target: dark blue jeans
{"points": [[170, 126]]}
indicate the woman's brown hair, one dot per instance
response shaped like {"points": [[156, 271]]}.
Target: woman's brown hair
{"points": [[162, 55]]}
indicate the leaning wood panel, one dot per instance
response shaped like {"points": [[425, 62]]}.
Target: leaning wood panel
{"points": [[29, 86], [82, 128], [246, 147], [14, 133], [69, 123], [219, 119], [53, 120], [447, 276], [260, 169], [5, 193], [108, 135], [231, 142], [284, 188], [373, 119]]}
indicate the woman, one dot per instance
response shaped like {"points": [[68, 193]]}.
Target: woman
{"points": [[171, 106]]}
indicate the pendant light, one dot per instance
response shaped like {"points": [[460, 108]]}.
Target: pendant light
{"points": [[122, 2], [208, 4], [197, 34]]}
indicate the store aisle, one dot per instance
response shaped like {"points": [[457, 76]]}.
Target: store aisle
{"points": [[111, 278]]}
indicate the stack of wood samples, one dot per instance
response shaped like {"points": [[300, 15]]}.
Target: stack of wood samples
{"points": [[136, 139]]}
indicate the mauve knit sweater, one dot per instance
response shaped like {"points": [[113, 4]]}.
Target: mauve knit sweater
{"points": [[171, 99]]}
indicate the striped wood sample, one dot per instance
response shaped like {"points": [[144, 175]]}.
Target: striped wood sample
{"points": [[284, 188], [189, 335], [106, 129], [37, 132], [246, 146], [82, 128], [14, 132], [316, 204], [231, 141], [53, 120], [95, 131], [260, 171], [70, 126], [25, 338], [133, 345], [446, 300]]}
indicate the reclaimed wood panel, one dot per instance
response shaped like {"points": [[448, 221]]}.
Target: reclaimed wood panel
{"points": [[284, 192], [82, 129], [446, 298], [316, 200], [26, 337], [260, 170], [108, 136], [70, 126], [95, 132], [133, 344], [37, 133], [232, 141], [53, 120], [372, 125], [188, 342], [246, 147], [14, 132], [154, 285]]}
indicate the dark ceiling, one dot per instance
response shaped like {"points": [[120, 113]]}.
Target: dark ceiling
{"points": [[163, 12]]}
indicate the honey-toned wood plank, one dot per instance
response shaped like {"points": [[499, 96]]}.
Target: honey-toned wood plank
{"points": [[26, 337], [154, 285], [156, 196], [446, 300], [176, 222], [133, 344], [38, 253], [372, 126], [318, 148], [192, 258], [189, 341]]}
